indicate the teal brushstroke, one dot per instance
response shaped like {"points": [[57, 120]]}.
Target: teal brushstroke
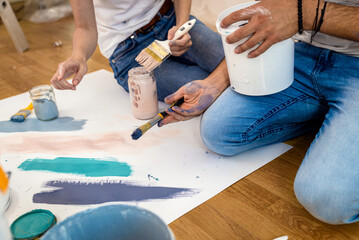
{"points": [[89, 167]]}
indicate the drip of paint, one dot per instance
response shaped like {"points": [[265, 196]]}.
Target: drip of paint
{"points": [[152, 177], [89, 167], [83, 193]]}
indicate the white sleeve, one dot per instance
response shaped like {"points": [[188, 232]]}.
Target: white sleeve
{"points": [[353, 3]]}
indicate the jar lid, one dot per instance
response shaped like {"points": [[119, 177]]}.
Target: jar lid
{"points": [[140, 73], [33, 224], [40, 90]]}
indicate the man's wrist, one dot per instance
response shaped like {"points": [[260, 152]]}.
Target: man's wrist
{"points": [[309, 11], [219, 80]]}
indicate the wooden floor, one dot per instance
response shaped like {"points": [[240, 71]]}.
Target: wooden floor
{"points": [[260, 206]]}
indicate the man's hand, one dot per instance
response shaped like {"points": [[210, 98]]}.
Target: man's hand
{"points": [[269, 22], [198, 96], [181, 45], [66, 69]]}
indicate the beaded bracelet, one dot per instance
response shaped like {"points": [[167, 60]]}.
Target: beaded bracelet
{"points": [[300, 17], [318, 24]]}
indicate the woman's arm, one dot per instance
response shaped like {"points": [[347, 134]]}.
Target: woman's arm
{"points": [[85, 35], [84, 43], [182, 10]]}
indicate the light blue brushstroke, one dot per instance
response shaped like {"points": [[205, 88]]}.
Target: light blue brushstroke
{"points": [[89, 167], [35, 125]]}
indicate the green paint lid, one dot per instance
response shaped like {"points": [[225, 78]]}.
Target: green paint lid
{"points": [[32, 225]]}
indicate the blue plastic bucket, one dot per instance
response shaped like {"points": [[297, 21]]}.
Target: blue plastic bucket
{"points": [[111, 222]]}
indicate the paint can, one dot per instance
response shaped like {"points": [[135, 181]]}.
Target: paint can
{"points": [[143, 93], [32, 225], [271, 72], [44, 102], [111, 222]]}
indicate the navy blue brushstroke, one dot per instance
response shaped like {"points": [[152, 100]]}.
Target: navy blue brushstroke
{"points": [[35, 125], [83, 193]]}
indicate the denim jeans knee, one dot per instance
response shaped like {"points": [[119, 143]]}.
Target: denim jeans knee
{"points": [[218, 133], [324, 201]]}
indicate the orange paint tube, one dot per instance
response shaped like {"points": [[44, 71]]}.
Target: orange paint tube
{"points": [[4, 181]]}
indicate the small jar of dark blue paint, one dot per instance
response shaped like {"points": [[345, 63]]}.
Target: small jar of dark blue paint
{"points": [[43, 99]]}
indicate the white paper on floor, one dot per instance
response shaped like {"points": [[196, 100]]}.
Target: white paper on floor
{"points": [[172, 172]]}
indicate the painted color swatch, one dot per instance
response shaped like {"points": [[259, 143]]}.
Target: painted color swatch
{"points": [[83, 193], [62, 124], [89, 167]]}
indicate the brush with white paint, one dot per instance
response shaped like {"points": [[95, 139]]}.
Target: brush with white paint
{"points": [[158, 51]]}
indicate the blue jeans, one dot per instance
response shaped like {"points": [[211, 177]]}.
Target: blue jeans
{"points": [[324, 96], [196, 64]]}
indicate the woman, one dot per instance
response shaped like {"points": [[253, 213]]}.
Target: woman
{"points": [[124, 28]]}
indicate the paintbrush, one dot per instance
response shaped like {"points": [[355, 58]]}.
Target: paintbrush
{"points": [[158, 51], [22, 114], [141, 130]]}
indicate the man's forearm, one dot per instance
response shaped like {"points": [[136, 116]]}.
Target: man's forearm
{"points": [[219, 78], [339, 20]]}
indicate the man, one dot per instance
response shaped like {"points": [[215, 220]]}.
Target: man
{"points": [[324, 95]]}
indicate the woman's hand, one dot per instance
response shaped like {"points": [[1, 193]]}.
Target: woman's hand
{"points": [[181, 45], [66, 69]]}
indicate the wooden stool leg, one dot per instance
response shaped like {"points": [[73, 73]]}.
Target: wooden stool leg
{"points": [[13, 27]]}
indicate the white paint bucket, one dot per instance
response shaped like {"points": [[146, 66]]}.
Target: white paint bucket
{"points": [[271, 72]]}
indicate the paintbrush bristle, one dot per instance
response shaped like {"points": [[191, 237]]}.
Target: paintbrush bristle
{"points": [[20, 115], [136, 134], [140, 131], [152, 56]]}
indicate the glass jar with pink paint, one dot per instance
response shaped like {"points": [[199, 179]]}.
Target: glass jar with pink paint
{"points": [[143, 93]]}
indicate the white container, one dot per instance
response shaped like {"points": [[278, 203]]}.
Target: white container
{"points": [[270, 72], [5, 233]]}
